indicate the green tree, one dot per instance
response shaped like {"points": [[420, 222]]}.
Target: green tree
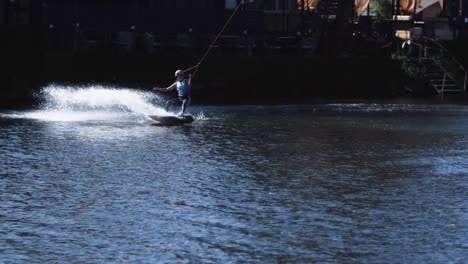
{"points": [[382, 9]]}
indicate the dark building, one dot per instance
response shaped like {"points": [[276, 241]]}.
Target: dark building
{"points": [[91, 23], [445, 19], [454, 8], [20, 12], [457, 13], [88, 23]]}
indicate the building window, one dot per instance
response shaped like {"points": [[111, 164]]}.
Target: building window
{"points": [[277, 5], [230, 4]]}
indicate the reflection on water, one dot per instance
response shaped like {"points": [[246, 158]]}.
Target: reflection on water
{"points": [[329, 183]]}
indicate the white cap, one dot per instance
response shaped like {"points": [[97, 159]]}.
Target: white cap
{"points": [[178, 72]]}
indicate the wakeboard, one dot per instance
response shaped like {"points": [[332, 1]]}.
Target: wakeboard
{"points": [[172, 120]]}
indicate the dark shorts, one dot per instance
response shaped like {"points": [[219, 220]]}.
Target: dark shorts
{"points": [[182, 98], [178, 101]]}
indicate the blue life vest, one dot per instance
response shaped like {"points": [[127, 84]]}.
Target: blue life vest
{"points": [[183, 88]]}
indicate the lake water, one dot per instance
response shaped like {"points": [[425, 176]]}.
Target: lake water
{"points": [[88, 178]]}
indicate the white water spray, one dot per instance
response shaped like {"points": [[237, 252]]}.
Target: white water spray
{"points": [[95, 103]]}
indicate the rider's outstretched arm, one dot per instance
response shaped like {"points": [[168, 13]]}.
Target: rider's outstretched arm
{"points": [[167, 89]]}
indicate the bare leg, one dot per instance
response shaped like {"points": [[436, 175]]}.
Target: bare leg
{"points": [[169, 103], [184, 105]]}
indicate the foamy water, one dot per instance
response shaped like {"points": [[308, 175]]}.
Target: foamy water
{"points": [[94, 103]]}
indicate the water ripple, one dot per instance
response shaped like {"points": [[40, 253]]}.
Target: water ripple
{"points": [[253, 184]]}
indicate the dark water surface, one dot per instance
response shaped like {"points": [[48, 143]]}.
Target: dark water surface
{"points": [[304, 184]]}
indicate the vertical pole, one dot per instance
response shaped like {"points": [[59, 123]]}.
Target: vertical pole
{"points": [[414, 17], [443, 82], [398, 7], [354, 14], [302, 12], [462, 22], [460, 6], [466, 77]]}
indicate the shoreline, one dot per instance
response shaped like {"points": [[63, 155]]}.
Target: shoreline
{"points": [[293, 102], [228, 80]]}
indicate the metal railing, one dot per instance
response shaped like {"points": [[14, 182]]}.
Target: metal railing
{"points": [[421, 48], [445, 58], [444, 79], [449, 56], [445, 51]]}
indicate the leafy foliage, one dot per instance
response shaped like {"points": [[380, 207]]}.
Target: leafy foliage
{"points": [[382, 9]]}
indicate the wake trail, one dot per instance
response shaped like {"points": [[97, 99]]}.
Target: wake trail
{"points": [[93, 103]]}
